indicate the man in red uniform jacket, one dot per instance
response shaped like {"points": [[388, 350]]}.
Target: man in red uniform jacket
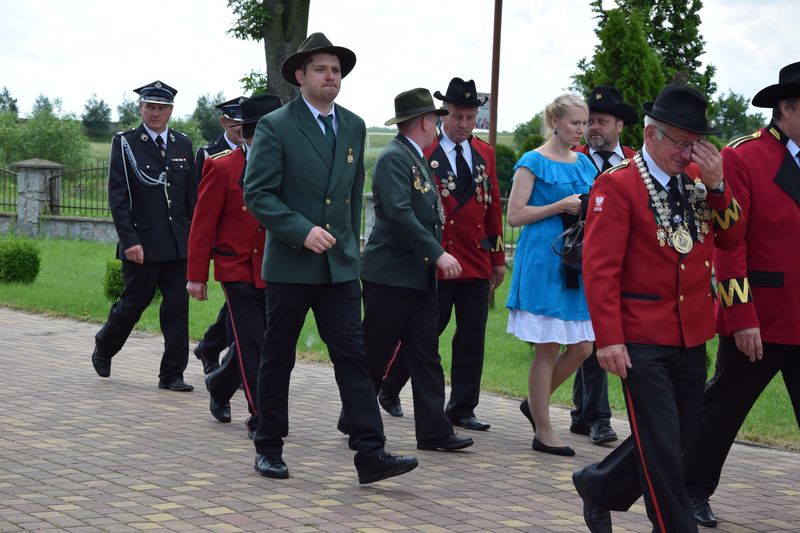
{"points": [[651, 228], [465, 172], [758, 308], [608, 114], [235, 238]]}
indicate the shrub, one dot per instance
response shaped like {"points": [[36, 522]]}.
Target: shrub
{"points": [[114, 283], [19, 261], [505, 158]]}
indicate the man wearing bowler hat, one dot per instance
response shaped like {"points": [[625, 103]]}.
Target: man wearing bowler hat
{"points": [[216, 336], [653, 222], [608, 114], [304, 182], [151, 194], [228, 231], [759, 288], [400, 264], [466, 176]]}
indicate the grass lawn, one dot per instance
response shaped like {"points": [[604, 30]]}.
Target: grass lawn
{"points": [[70, 284]]}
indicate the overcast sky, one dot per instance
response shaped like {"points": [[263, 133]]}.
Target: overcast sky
{"points": [[71, 49]]}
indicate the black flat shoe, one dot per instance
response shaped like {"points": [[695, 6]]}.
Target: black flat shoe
{"points": [[445, 444], [210, 362], [525, 409], [701, 510], [597, 519], [102, 365], [601, 433], [539, 446], [470, 422], [271, 466], [391, 405], [382, 466], [176, 384]]}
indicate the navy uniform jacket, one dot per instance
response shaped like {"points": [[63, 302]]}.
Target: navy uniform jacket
{"points": [[156, 217], [207, 150]]}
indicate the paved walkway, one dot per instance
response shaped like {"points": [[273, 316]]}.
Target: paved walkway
{"points": [[81, 453]]}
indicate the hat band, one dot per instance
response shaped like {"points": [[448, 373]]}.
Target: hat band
{"points": [[155, 99], [414, 111], [662, 111]]}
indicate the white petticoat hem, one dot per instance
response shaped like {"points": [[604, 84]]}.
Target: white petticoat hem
{"points": [[530, 327]]}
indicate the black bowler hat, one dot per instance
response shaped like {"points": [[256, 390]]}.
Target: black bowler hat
{"points": [[314, 44], [231, 109], [606, 99], [462, 93], [256, 107], [681, 106], [157, 92], [412, 104], [788, 86]]}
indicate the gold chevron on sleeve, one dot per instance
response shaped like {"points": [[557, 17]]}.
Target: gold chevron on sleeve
{"points": [[728, 217], [499, 246], [734, 291]]}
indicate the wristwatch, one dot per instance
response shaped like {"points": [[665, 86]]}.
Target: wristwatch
{"points": [[720, 188]]}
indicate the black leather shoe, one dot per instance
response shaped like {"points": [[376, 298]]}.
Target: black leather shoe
{"points": [[702, 512], [539, 446], [221, 411], [252, 425], [445, 444], [601, 433], [382, 466], [391, 405], [597, 519], [470, 422], [525, 409], [271, 466], [102, 365], [210, 362], [580, 428], [176, 384]]}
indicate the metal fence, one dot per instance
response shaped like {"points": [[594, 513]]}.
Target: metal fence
{"points": [[81, 192], [8, 191]]}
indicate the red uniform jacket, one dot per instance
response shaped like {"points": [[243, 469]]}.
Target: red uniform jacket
{"points": [[224, 226], [473, 229], [584, 149], [637, 290], [765, 179]]}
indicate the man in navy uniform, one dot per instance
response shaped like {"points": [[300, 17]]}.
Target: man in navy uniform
{"points": [[217, 336], [151, 193]]}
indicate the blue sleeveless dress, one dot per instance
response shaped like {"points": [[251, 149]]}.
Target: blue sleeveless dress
{"points": [[541, 308]]}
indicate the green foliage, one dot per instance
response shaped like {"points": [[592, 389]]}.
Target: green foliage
{"points": [[19, 260], [255, 83], [729, 114], [112, 280], [533, 128], [48, 134], [251, 19], [531, 143], [207, 116], [42, 104], [190, 127], [10, 134], [624, 59], [96, 117], [7, 103], [129, 114], [506, 157]]}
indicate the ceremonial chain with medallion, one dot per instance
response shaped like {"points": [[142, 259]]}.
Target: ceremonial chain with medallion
{"points": [[145, 180], [427, 185], [677, 236]]}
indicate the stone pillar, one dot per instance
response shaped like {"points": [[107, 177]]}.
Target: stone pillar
{"points": [[369, 217], [33, 190]]}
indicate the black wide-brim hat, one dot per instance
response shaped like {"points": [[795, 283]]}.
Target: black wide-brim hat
{"points": [[256, 107], [682, 107], [460, 92], [788, 86], [607, 99], [412, 104], [314, 44]]}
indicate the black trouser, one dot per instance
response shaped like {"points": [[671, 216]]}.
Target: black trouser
{"points": [[471, 302], [218, 336], [729, 396], [141, 281], [337, 310], [393, 314], [590, 393], [247, 312], [663, 392]]}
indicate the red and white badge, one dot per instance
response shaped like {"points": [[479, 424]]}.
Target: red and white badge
{"points": [[598, 202]]}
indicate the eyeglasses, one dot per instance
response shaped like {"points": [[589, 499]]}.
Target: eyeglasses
{"points": [[680, 145]]}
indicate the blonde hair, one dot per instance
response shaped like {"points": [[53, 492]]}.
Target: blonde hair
{"points": [[558, 108]]}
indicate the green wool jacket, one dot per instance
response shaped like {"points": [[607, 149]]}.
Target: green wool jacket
{"points": [[294, 183], [405, 241]]}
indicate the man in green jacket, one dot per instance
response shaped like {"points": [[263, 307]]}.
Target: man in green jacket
{"points": [[304, 182], [399, 268]]}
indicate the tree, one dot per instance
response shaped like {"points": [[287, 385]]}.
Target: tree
{"points": [[207, 116], [190, 127], [530, 132], [47, 134], [282, 26], [129, 115], [624, 59], [505, 158], [43, 103], [96, 117], [7, 103], [729, 115]]}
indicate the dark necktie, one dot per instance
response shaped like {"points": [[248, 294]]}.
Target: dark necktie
{"points": [[674, 195], [462, 171], [330, 136], [160, 144], [606, 156]]}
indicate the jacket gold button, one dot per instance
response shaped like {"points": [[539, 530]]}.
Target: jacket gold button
{"points": [[327, 226], [328, 201], [683, 267], [681, 297], [426, 259], [244, 208], [707, 264]]}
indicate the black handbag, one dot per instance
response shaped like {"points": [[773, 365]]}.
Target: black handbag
{"points": [[571, 252]]}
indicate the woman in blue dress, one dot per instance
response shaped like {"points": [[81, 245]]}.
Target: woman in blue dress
{"points": [[548, 182]]}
